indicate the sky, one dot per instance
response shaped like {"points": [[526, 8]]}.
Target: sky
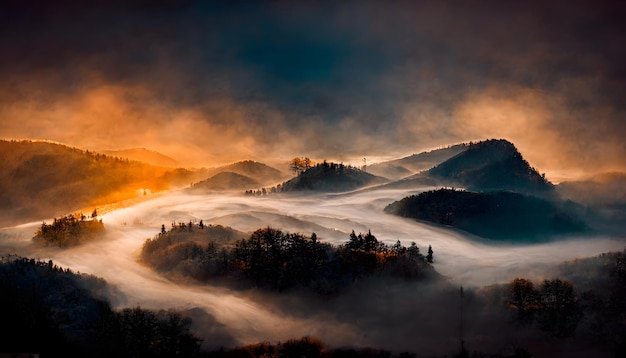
{"points": [[211, 83]]}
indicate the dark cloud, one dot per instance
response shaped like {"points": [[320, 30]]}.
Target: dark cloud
{"points": [[336, 79]]}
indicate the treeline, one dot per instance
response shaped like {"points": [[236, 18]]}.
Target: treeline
{"points": [[591, 312], [54, 312], [70, 230], [276, 260]]}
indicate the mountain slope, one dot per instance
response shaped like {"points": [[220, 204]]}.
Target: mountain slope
{"points": [[494, 215], [144, 155], [225, 181], [331, 177], [39, 180], [399, 168], [257, 171], [493, 164]]}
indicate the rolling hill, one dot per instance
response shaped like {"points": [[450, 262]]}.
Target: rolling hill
{"points": [[42, 180], [144, 155], [225, 181], [259, 172], [494, 215], [331, 177]]}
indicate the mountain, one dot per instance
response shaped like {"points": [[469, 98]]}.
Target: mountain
{"points": [[331, 177], [259, 172], [605, 189], [403, 167], [144, 155], [42, 180], [225, 181], [495, 215], [494, 164]]}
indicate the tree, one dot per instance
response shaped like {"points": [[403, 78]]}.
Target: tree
{"points": [[429, 257], [524, 299], [94, 213], [560, 312], [296, 164]]}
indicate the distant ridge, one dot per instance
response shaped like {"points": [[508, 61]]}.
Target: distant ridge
{"points": [[403, 167], [225, 181], [144, 155], [43, 179], [257, 171]]}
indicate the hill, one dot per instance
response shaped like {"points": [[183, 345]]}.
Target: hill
{"points": [[225, 181], [42, 180], [494, 215], [330, 177], [144, 155], [257, 171], [493, 164], [403, 167]]}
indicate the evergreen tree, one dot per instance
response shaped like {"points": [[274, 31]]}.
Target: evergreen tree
{"points": [[429, 257]]}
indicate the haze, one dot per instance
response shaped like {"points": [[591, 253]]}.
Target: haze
{"points": [[209, 84], [251, 316]]}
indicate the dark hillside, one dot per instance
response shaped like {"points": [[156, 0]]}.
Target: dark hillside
{"points": [[493, 164], [494, 215]]}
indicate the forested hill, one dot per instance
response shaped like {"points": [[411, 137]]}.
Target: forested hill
{"points": [[493, 215], [493, 164], [330, 177], [40, 179]]}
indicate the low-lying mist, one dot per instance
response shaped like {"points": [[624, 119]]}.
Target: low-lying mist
{"points": [[398, 315]]}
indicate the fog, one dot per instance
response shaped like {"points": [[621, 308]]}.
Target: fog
{"points": [[372, 313]]}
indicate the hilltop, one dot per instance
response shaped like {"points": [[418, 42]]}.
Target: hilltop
{"points": [[330, 177], [493, 164]]}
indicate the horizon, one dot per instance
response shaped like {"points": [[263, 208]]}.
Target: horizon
{"points": [[211, 84]]}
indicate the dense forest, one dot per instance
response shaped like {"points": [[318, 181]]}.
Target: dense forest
{"points": [[70, 230], [495, 215], [55, 312], [275, 260]]}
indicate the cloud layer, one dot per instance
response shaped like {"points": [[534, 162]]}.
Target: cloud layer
{"points": [[216, 83]]}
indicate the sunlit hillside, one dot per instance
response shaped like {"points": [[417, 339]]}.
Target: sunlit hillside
{"points": [[144, 155], [39, 180]]}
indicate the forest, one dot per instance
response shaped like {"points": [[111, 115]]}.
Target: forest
{"points": [[70, 230], [279, 261], [56, 312], [499, 215]]}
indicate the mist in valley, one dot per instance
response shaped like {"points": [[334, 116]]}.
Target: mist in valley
{"points": [[395, 315]]}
